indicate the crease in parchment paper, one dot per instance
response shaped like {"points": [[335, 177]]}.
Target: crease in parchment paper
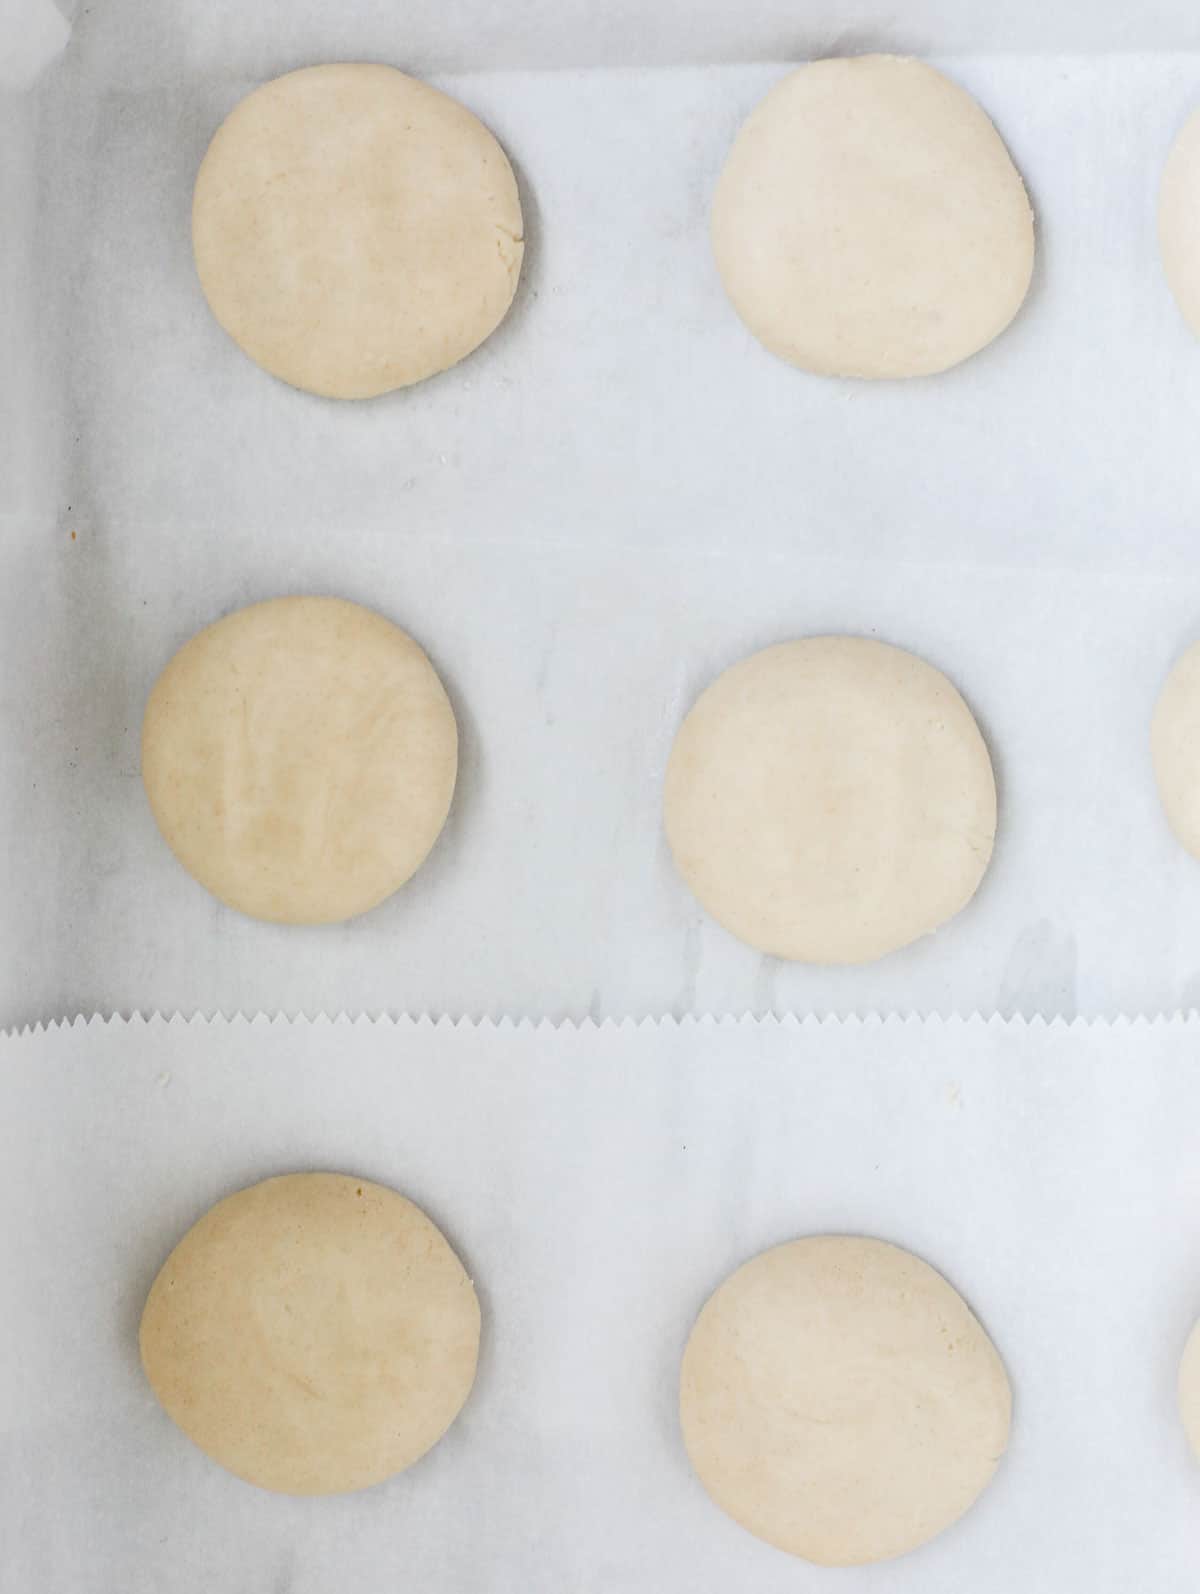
{"points": [[434, 36]]}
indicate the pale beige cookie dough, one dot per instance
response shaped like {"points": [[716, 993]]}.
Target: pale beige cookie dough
{"points": [[1175, 748], [830, 800], [299, 757], [314, 1334], [1179, 220], [869, 221], [840, 1401], [1189, 1390], [356, 230]]}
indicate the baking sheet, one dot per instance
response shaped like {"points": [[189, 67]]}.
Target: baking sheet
{"points": [[615, 498], [599, 1183]]}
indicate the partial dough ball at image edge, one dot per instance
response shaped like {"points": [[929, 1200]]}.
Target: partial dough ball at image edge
{"points": [[355, 230], [1179, 220], [839, 1400], [1189, 1390], [830, 800], [313, 1334], [869, 221], [299, 757], [1175, 748]]}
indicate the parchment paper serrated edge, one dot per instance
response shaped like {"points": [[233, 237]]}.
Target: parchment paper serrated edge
{"points": [[406, 1023]]}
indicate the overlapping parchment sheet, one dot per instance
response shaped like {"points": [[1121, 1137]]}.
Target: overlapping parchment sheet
{"points": [[617, 497], [598, 1183]]}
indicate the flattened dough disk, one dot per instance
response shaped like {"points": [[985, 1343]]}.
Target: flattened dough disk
{"points": [[356, 230], [869, 221], [831, 800], [314, 1334], [299, 757], [1179, 220], [840, 1401], [1175, 748], [1189, 1390]]}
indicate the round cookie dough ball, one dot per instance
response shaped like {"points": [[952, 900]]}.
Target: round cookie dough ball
{"points": [[1179, 220], [1175, 748], [313, 1334], [869, 221], [355, 230], [831, 800], [299, 757], [1189, 1390], [840, 1401]]}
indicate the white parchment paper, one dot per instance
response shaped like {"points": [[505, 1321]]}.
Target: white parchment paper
{"points": [[599, 1183], [617, 497]]}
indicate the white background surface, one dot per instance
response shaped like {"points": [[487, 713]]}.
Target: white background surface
{"points": [[598, 1186], [615, 498]]}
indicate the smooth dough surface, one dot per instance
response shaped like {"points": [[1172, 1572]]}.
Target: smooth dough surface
{"points": [[356, 230], [314, 1334], [1175, 748], [1179, 220], [1189, 1390], [300, 757], [839, 1399], [831, 800], [869, 221]]}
